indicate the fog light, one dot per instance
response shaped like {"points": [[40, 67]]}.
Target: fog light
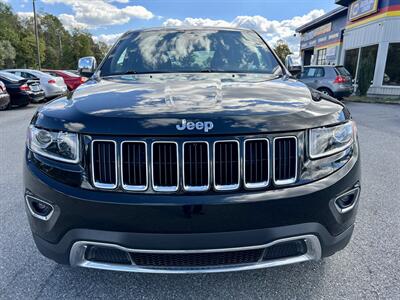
{"points": [[346, 202], [39, 208]]}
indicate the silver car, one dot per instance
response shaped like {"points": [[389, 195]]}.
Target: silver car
{"points": [[52, 86], [334, 81]]}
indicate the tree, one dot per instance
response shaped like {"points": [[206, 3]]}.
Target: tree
{"points": [[100, 50], [282, 50], [7, 54], [59, 48]]}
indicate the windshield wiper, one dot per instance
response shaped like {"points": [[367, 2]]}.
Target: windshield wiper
{"points": [[133, 72]]}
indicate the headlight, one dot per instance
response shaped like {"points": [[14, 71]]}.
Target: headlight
{"points": [[61, 146], [331, 140]]}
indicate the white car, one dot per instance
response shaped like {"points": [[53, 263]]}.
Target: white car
{"points": [[51, 85]]}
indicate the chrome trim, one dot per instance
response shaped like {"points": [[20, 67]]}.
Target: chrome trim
{"points": [[165, 188], [105, 185], [356, 192], [77, 257], [256, 185], [43, 218], [132, 188], [291, 180], [232, 186], [196, 188]]}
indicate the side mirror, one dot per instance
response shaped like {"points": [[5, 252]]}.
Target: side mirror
{"points": [[87, 65], [294, 68]]}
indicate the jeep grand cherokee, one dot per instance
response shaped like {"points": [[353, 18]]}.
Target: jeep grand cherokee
{"points": [[191, 150]]}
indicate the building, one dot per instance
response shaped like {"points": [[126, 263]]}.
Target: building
{"points": [[362, 35]]}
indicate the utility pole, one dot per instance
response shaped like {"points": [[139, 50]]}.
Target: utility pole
{"points": [[37, 35], [60, 49]]}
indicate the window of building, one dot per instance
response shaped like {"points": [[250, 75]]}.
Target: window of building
{"points": [[392, 70], [350, 61], [321, 57]]}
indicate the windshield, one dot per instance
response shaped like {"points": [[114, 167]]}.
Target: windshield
{"points": [[190, 51]]}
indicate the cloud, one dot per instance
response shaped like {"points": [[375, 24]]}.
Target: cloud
{"points": [[70, 22], [24, 15], [97, 13], [193, 22], [272, 30], [109, 39]]}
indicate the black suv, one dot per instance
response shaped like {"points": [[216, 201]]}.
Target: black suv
{"points": [[191, 150]]}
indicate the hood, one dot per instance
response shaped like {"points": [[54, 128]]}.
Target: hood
{"points": [[155, 104]]}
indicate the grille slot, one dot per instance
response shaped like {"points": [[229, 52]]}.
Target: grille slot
{"points": [[196, 166], [107, 255], [134, 166], [285, 160], [256, 166], [196, 259], [104, 166], [286, 249], [226, 165], [165, 166]]}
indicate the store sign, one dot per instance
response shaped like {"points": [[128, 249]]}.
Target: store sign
{"points": [[317, 32], [362, 8], [323, 29]]}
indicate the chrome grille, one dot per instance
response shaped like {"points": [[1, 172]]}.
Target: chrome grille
{"points": [[226, 165], [196, 175], [256, 166], [104, 165], [285, 160], [165, 166], [134, 166]]}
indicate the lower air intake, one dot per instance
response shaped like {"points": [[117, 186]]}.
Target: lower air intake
{"points": [[107, 255], [284, 250], [197, 259]]}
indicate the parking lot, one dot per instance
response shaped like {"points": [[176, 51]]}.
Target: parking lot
{"points": [[368, 268]]}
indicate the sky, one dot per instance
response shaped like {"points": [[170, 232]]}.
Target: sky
{"points": [[107, 19]]}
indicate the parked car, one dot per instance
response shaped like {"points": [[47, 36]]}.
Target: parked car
{"points": [[52, 86], [71, 80], [21, 90], [334, 81], [4, 97], [200, 154]]}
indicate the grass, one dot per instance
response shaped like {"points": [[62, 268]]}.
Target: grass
{"points": [[366, 99]]}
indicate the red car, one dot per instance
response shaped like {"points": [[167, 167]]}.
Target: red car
{"points": [[71, 80]]}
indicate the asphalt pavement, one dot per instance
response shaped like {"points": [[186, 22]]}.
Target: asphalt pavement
{"points": [[369, 268]]}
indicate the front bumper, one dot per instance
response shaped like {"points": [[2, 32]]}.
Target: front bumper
{"points": [[208, 222]]}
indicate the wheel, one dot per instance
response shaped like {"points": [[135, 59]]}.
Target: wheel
{"points": [[326, 91], [5, 107]]}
